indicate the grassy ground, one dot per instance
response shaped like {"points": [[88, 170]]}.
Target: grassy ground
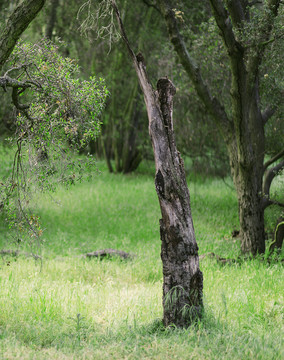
{"points": [[74, 308]]}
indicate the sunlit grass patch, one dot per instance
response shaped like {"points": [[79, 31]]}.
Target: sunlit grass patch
{"points": [[72, 307]]}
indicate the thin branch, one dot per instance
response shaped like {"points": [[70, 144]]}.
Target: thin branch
{"points": [[152, 5], [272, 160], [20, 67], [212, 104], [139, 65], [7, 81], [122, 32], [270, 175], [267, 114], [15, 98], [269, 202], [251, 3]]}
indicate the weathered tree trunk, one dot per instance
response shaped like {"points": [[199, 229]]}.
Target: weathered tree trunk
{"points": [[183, 280]]}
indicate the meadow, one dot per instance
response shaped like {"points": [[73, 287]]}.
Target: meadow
{"points": [[70, 307]]}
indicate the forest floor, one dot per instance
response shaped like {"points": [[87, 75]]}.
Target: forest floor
{"points": [[70, 307]]}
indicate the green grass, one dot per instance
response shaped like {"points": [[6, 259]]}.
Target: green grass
{"points": [[120, 302]]}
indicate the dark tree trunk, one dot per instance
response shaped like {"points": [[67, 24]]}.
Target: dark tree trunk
{"points": [[247, 155], [251, 211], [52, 19], [183, 280]]}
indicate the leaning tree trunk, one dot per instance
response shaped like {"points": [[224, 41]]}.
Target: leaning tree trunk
{"points": [[183, 280]]}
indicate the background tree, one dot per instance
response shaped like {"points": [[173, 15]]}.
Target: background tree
{"points": [[245, 30]]}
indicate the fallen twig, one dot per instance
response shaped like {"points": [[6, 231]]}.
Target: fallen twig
{"points": [[109, 253]]}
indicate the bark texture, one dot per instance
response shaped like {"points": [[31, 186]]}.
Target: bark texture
{"points": [[183, 280], [17, 23]]}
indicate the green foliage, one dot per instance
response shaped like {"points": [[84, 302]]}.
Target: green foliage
{"points": [[62, 106], [61, 114]]}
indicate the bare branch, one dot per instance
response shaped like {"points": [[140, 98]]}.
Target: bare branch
{"points": [[20, 67], [7, 81], [251, 3], [270, 175], [272, 160], [267, 114], [122, 32], [15, 98], [139, 65], [152, 5], [269, 202]]}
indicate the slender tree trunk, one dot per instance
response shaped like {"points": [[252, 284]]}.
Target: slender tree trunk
{"points": [[183, 280], [52, 19]]}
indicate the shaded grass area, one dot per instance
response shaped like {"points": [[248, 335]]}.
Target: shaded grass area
{"points": [[122, 211], [75, 308]]}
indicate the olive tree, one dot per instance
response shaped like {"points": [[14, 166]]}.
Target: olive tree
{"points": [[246, 29]]}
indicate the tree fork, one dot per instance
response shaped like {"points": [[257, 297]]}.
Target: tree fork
{"points": [[183, 280]]}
